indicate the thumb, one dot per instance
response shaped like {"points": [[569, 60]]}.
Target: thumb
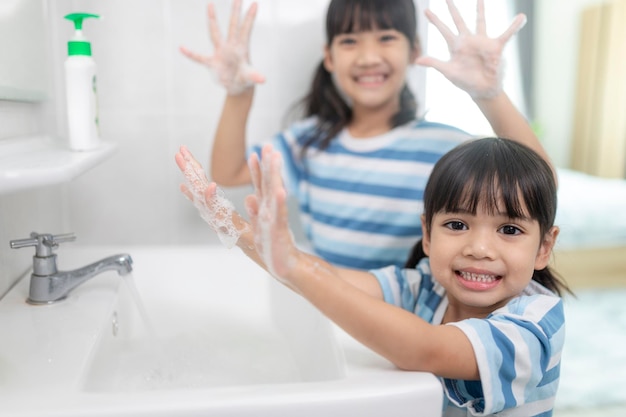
{"points": [[429, 61]]}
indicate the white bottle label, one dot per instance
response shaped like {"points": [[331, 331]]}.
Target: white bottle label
{"points": [[82, 106]]}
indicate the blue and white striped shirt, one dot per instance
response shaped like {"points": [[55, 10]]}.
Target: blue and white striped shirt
{"points": [[517, 347], [361, 199]]}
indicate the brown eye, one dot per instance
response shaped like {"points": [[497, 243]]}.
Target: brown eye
{"points": [[455, 225], [510, 230]]}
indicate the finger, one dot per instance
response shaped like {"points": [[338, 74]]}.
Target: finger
{"points": [[279, 194], [185, 190], [251, 205], [254, 76], [266, 166], [180, 161], [276, 182], [445, 31], [248, 22], [518, 23], [214, 27], [193, 171], [201, 59], [209, 194], [457, 18], [233, 28], [253, 166], [481, 24], [428, 61]]}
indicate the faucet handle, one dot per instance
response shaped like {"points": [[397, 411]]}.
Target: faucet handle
{"points": [[44, 242]]}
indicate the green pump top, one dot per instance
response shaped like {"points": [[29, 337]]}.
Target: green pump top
{"points": [[79, 44]]}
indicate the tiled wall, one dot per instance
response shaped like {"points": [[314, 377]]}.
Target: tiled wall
{"points": [[26, 211]]}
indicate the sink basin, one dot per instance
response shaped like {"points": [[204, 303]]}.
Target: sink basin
{"points": [[214, 326], [194, 330]]}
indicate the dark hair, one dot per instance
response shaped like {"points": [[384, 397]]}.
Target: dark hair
{"points": [[350, 16], [486, 172]]}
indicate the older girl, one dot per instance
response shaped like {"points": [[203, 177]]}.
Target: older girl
{"points": [[358, 162]]}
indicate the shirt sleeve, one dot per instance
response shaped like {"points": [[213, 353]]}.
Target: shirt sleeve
{"points": [[411, 289], [518, 351]]}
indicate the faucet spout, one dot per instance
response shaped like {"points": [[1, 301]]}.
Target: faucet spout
{"points": [[49, 288]]}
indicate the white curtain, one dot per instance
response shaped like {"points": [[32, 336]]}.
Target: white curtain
{"points": [[599, 131]]}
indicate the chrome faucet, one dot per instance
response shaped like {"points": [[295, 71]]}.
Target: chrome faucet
{"points": [[47, 283]]}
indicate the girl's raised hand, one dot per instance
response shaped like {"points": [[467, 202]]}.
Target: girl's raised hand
{"points": [[475, 63], [267, 209], [230, 60]]}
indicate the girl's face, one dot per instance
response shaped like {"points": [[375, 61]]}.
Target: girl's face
{"points": [[484, 260], [370, 67]]}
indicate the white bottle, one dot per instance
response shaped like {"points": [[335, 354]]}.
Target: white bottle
{"points": [[81, 91]]}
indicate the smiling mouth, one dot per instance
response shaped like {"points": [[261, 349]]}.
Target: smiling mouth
{"points": [[371, 79], [478, 282], [469, 276]]}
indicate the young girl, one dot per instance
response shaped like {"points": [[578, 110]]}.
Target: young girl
{"points": [[359, 160], [481, 309]]}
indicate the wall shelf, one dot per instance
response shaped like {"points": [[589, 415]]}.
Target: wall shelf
{"points": [[41, 160]]}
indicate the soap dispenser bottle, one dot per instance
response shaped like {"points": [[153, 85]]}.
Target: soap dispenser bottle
{"points": [[81, 91]]}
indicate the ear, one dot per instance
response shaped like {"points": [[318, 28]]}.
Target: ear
{"points": [[545, 250], [328, 61], [425, 236]]}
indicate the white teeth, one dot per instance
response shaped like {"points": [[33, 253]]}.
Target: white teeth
{"points": [[371, 79], [478, 277]]}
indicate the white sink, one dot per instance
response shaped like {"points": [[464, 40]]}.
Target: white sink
{"points": [[197, 330]]}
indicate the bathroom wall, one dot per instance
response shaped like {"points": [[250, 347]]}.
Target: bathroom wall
{"points": [[23, 212], [24, 58]]}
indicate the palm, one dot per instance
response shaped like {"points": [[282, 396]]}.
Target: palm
{"points": [[475, 63], [230, 60]]}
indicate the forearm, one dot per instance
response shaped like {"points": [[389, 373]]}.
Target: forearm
{"points": [[507, 122], [228, 156], [399, 335]]}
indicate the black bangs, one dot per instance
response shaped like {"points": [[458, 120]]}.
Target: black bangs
{"points": [[497, 175], [350, 16]]}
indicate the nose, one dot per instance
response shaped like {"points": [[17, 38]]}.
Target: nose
{"points": [[480, 245], [368, 54]]}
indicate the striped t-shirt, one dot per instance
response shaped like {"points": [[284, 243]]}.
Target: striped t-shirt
{"points": [[361, 199], [517, 347]]}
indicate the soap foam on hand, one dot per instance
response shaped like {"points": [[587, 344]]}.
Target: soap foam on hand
{"points": [[217, 214]]}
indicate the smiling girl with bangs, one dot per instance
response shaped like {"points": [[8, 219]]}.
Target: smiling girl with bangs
{"points": [[477, 305]]}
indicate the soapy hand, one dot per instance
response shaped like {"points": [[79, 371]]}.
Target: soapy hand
{"points": [[476, 63], [267, 210], [210, 201], [230, 61]]}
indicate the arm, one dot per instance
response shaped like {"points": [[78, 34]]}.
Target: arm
{"points": [[352, 299], [475, 66], [230, 65]]}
